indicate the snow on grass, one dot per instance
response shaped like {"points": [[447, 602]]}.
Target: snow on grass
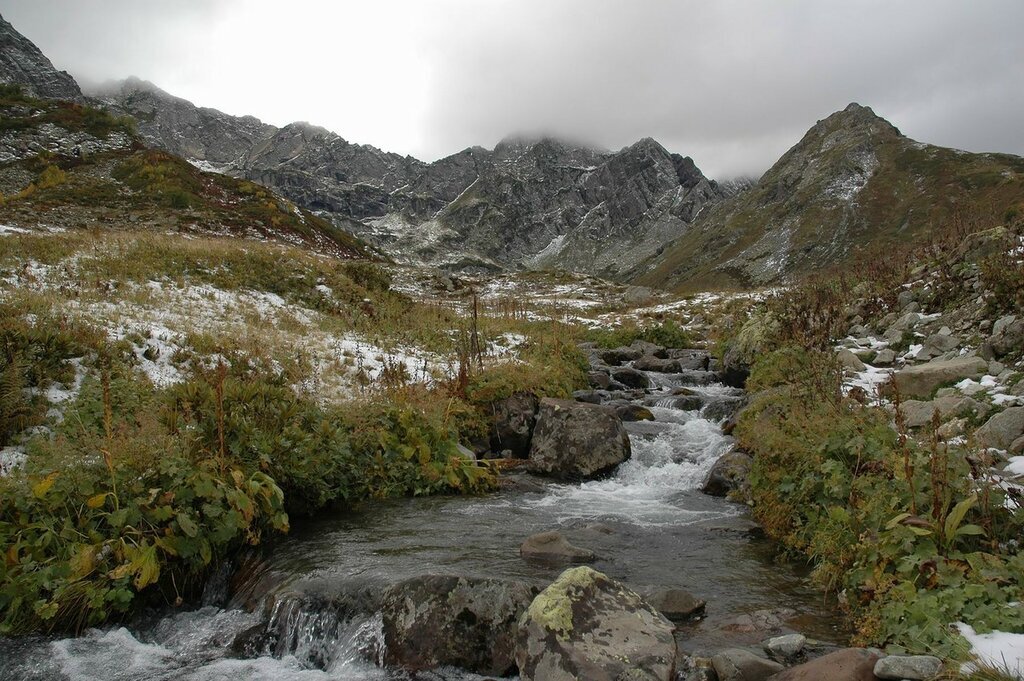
{"points": [[998, 649], [9, 229]]}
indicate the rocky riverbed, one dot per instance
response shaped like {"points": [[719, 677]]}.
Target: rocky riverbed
{"points": [[678, 583]]}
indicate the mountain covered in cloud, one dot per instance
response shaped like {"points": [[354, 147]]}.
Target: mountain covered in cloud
{"points": [[527, 203], [853, 184], [22, 63]]}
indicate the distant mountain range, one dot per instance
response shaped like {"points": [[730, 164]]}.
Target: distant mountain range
{"points": [[638, 214]]}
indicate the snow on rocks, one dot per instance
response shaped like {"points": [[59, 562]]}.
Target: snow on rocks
{"points": [[11, 458]]}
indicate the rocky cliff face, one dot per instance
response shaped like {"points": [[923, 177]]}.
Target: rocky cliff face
{"points": [[851, 187], [210, 137], [528, 203], [21, 63]]}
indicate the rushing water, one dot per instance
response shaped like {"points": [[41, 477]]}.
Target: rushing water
{"points": [[307, 609]]}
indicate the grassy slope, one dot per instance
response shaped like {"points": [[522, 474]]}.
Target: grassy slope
{"points": [[133, 186]]}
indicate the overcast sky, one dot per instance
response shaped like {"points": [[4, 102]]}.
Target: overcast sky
{"points": [[732, 84]]}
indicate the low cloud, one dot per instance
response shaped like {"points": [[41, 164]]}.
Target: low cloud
{"points": [[732, 84]]}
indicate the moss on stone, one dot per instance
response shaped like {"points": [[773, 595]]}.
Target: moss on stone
{"points": [[553, 607]]}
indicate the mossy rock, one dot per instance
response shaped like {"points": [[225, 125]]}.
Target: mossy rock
{"points": [[589, 626]]}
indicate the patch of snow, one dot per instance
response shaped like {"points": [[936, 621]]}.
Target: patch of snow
{"points": [[10, 229], [869, 380], [998, 649], [208, 167], [1015, 466], [913, 350], [553, 248]]}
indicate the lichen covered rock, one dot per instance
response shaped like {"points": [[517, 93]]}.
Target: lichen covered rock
{"points": [[586, 626], [471, 623], [577, 441]]}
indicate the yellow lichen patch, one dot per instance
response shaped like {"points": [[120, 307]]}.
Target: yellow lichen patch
{"points": [[552, 608]]}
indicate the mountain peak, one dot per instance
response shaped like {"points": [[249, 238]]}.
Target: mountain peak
{"points": [[22, 63], [857, 118]]}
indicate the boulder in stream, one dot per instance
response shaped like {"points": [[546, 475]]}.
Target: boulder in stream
{"points": [[512, 422], [729, 473], [631, 378], [850, 664], [588, 627], [553, 546], [465, 622], [739, 664], [577, 441]]}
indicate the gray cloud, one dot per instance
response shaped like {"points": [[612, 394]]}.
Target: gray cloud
{"points": [[732, 84]]}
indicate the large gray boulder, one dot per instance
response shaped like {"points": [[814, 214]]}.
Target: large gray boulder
{"points": [[1001, 430], [675, 604], [902, 325], [917, 413], [659, 365], [729, 473], [1007, 336], [471, 623], [512, 422], [574, 440], [923, 379], [616, 356], [588, 627], [631, 378], [910, 667]]}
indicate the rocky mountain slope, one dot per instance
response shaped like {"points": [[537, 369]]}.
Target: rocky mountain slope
{"points": [[177, 126], [527, 203], [853, 185], [21, 63], [65, 165]]}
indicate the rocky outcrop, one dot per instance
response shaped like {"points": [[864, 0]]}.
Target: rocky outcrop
{"points": [[470, 623], [577, 441], [214, 139], [1003, 429], [917, 414], [588, 627], [22, 63], [537, 203]]}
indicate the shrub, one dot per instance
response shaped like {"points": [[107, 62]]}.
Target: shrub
{"points": [[913, 536], [370, 276], [669, 334]]}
